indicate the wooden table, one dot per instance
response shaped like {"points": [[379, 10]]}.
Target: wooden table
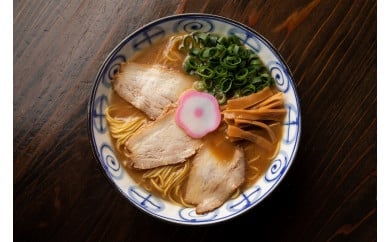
{"points": [[60, 192]]}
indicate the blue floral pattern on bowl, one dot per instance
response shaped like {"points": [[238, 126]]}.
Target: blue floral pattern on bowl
{"points": [[141, 39]]}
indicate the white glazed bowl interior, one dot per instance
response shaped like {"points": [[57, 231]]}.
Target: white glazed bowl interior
{"points": [[104, 149]]}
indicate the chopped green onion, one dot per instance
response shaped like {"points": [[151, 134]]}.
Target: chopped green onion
{"points": [[205, 72], [226, 84], [225, 67], [220, 71], [195, 51], [208, 83], [199, 86], [202, 37], [191, 64], [221, 97], [265, 77], [242, 74], [249, 89], [255, 62], [230, 62]]}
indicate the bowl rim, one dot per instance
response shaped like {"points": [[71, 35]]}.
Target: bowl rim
{"points": [[127, 38]]}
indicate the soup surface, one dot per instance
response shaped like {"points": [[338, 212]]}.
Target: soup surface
{"points": [[120, 113]]}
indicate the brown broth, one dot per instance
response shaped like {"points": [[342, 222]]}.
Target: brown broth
{"points": [[220, 147], [154, 53], [216, 141], [261, 159]]}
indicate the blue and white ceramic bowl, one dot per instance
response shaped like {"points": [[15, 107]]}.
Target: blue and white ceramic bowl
{"points": [[104, 149]]}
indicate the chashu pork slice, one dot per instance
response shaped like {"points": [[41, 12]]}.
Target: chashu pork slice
{"points": [[150, 88], [211, 181], [161, 143]]}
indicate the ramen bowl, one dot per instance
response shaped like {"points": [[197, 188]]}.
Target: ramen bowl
{"points": [[104, 149]]}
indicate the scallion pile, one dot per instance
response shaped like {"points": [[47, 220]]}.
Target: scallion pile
{"points": [[225, 67]]}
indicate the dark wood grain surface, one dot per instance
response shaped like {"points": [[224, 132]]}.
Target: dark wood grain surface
{"points": [[60, 192]]}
